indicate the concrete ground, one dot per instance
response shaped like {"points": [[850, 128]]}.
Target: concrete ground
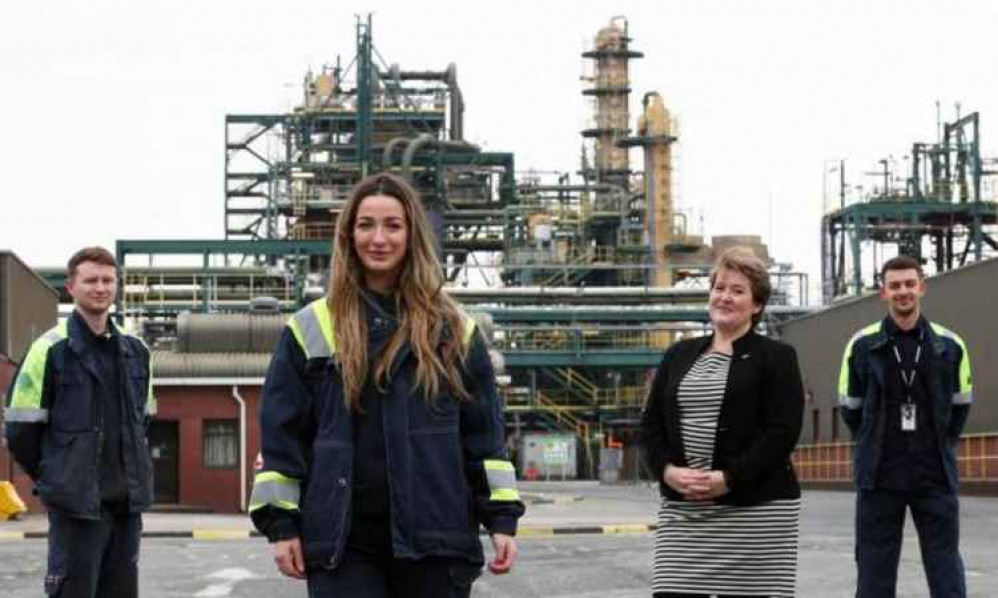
{"points": [[605, 550]]}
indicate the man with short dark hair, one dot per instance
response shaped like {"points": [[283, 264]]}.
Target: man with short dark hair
{"points": [[905, 393], [76, 423]]}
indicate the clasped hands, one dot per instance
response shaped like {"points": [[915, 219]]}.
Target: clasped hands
{"points": [[695, 484]]}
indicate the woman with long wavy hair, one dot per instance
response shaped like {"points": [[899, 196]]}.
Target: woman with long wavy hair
{"points": [[382, 431]]}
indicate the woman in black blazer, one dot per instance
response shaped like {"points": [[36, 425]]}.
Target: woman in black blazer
{"points": [[721, 421]]}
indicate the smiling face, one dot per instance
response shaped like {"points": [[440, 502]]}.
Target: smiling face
{"points": [[731, 305], [380, 238], [902, 291], [93, 287]]}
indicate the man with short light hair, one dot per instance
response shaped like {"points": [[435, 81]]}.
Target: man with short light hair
{"points": [[77, 415], [905, 393]]}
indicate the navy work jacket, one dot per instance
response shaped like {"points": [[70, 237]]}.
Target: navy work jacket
{"points": [[863, 404], [446, 459], [54, 421]]}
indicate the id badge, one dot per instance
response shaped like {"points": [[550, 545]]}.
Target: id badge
{"points": [[908, 417]]}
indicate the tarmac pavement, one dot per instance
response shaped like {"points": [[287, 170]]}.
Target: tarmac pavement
{"points": [[577, 539], [552, 508]]}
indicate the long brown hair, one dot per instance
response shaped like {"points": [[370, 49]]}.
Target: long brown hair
{"points": [[429, 319]]}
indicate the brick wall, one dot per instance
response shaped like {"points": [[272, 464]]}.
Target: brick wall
{"points": [[977, 458]]}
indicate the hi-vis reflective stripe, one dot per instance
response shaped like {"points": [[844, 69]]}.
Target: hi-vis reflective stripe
{"points": [[313, 328], [26, 399], [469, 328], [844, 370], [850, 402], [965, 394], [26, 415], [502, 480], [151, 404], [276, 490]]}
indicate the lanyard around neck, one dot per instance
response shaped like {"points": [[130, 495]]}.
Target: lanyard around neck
{"points": [[908, 377]]}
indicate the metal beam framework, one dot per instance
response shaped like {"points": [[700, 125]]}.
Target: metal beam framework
{"points": [[904, 224], [576, 315], [941, 204]]}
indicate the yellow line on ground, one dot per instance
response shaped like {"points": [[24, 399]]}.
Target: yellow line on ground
{"points": [[534, 532], [220, 534], [634, 528], [11, 535]]}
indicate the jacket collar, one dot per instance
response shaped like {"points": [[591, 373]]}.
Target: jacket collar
{"points": [[888, 329], [80, 337]]}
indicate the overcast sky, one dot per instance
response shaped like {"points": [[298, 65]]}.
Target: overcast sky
{"points": [[113, 112]]}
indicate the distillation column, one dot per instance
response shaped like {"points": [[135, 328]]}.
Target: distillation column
{"points": [[655, 133], [611, 88]]}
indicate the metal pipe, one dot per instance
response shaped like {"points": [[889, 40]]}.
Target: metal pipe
{"points": [[685, 227], [449, 77], [386, 156], [456, 104], [609, 298], [395, 73], [242, 446], [427, 139], [410, 152], [610, 187]]}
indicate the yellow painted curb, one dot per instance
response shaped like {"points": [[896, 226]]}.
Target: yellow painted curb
{"points": [[534, 532], [11, 535], [637, 528], [219, 534]]}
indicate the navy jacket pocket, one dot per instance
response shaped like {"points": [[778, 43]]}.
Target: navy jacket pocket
{"points": [[326, 502], [68, 476]]}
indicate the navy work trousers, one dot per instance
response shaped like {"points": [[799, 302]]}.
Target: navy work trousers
{"points": [[367, 576], [93, 558], [880, 518]]}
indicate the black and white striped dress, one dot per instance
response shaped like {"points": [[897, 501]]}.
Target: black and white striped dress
{"points": [[707, 548]]}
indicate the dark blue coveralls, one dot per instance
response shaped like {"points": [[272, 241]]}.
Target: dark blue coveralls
{"points": [[76, 416], [905, 395]]}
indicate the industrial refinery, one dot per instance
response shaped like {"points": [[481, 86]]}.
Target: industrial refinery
{"points": [[582, 278]]}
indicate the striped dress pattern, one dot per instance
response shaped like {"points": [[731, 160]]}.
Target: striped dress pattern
{"points": [[715, 549]]}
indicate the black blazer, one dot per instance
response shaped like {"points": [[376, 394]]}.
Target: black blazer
{"points": [[758, 426]]}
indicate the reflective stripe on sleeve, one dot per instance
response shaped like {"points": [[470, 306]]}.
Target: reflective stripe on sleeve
{"points": [[26, 415], [850, 402], [963, 398], [276, 490], [502, 480]]}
